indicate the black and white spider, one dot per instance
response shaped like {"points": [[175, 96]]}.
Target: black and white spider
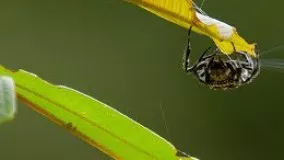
{"points": [[219, 71]]}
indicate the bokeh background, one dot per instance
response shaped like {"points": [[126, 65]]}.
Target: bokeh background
{"points": [[131, 60]]}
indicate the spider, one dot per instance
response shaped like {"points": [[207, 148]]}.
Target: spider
{"points": [[220, 71]]}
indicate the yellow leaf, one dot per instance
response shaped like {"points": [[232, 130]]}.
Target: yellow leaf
{"points": [[182, 12]]}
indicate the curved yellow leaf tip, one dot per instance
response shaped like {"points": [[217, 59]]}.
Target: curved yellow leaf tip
{"points": [[225, 36], [183, 13]]}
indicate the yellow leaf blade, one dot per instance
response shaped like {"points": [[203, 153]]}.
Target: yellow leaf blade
{"points": [[178, 12], [182, 13]]}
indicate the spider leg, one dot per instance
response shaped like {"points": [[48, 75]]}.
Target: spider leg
{"points": [[186, 65], [248, 63], [212, 56], [187, 52], [234, 47], [202, 58]]}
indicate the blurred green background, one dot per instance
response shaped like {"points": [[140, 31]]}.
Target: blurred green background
{"points": [[131, 60]]}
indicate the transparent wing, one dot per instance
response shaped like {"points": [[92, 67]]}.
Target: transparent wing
{"points": [[272, 64]]}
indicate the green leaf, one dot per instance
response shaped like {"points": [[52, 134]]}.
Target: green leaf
{"points": [[91, 120]]}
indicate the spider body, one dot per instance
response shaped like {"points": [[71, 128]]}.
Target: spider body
{"points": [[220, 71]]}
